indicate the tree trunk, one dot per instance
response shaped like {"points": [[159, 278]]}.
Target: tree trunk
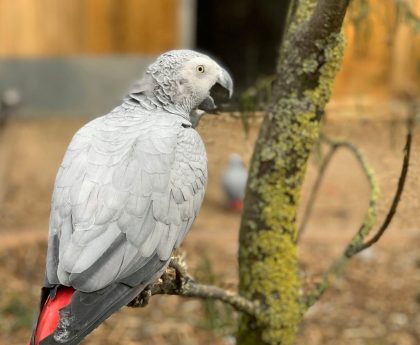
{"points": [[309, 59]]}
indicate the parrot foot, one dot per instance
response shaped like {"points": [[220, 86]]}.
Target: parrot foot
{"points": [[179, 265], [142, 300]]}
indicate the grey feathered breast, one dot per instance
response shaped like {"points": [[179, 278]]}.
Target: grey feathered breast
{"points": [[128, 190]]}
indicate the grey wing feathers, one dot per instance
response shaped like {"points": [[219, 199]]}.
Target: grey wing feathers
{"points": [[127, 191]]}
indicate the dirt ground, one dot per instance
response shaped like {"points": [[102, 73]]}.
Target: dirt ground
{"points": [[376, 302]]}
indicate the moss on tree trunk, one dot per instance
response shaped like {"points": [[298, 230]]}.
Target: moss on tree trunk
{"points": [[309, 59]]}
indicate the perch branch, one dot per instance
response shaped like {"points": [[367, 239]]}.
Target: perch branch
{"points": [[177, 281], [357, 244]]}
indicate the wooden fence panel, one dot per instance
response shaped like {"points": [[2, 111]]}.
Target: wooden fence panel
{"points": [[50, 28]]}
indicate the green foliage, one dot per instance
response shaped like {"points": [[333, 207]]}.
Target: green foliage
{"points": [[407, 15], [253, 99], [219, 317], [15, 315]]}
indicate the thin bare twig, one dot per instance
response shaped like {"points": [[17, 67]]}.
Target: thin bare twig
{"points": [[368, 222], [357, 244], [400, 187], [314, 192], [334, 146], [177, 281]]}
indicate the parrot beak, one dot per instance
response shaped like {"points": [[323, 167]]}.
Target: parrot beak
{"points": [[218, 91], [208, 105], [224, 79]]}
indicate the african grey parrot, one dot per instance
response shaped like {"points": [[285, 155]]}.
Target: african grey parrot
{"points": [[127, 192], [234, 182]]}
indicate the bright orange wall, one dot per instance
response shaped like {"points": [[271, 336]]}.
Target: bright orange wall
{"points": [[49, 28]]}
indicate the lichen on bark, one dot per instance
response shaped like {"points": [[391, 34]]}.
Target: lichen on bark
{"points": [[267, 255]]}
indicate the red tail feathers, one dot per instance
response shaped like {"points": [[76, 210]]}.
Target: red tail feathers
{"points": [[236, 205], [49, 316]]}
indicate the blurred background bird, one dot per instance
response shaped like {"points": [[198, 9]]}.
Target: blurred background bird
{"points": [[8, 104], [234, 182]]}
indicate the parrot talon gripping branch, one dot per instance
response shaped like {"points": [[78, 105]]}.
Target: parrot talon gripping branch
{"points": [[177, 281], [127, 192]]}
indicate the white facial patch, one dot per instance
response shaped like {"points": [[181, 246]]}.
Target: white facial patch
{"points": [[201, 74]]}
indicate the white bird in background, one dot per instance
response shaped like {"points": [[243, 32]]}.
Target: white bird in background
{"points": [[234, 182], [8, 103]]}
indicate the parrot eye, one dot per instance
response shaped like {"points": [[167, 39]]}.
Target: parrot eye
{"points": [[200, 69]]}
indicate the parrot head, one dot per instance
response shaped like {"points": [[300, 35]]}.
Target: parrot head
{"points": [[182, 80], [198, 76]]}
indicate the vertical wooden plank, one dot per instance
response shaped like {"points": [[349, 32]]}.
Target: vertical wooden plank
{"points": [[366, 68], [97, 28], [18, 29], [5, 24], [60, 28]]}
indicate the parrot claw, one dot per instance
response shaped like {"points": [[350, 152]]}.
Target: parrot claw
{"points": [[182, 277], [142, 300], [166, 278]]}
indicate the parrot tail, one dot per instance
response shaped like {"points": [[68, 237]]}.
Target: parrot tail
{"points": [[49, 315], [67, 315]]}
